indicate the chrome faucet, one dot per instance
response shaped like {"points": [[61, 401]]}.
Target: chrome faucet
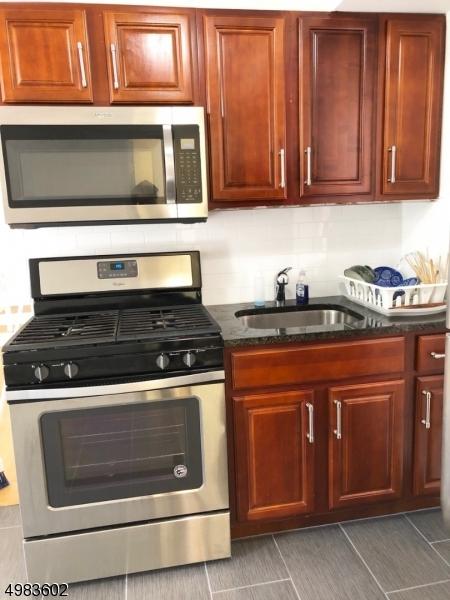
{"points": [[281, 282]]}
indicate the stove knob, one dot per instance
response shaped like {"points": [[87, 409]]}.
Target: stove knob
{"points": [[71, 370], [189, 359], [162, 361], [41, 372]]}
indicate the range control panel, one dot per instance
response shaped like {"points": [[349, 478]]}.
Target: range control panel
{"points": [[188, 173], [113, 269]]}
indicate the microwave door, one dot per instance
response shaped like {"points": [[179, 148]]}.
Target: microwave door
{"points": [[88, 173]]}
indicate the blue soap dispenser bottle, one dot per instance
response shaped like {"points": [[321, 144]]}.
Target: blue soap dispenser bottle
{"points": [[302, 289]]}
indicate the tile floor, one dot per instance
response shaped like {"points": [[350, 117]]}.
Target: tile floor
{"points": [[401, 557]]}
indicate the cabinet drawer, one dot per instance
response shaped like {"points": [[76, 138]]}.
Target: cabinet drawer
{"points": [[430, 350], [322, 362]]}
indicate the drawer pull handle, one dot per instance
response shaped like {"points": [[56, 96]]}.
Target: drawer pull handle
{"points": [[81, 61], [338, 431], [310, 434], [437, 355], [427, 420], [114, 67]]}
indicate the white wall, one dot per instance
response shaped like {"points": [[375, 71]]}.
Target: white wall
{"points": [[236, 244]]}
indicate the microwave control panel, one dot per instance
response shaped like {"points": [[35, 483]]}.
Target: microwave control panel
{"points": [[114, 269], [188, 172]]}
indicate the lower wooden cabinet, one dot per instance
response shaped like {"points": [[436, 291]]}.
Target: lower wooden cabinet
{"points": [[428, 435], [274, 454], [366, 443]]}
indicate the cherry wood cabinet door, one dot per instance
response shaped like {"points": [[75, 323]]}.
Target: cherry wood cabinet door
{"points": [[337, 78], [366, 443], [428, 435], [44, 55], [412, 106], [149, 57], [246, 105], [274, 454]]}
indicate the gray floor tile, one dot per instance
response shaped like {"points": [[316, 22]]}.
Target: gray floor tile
{"points": [[12, 562], [431, 524], [105, 589], [179, 583], [254, 560], [444, 550], [9, 516], [324, 566], [438, 591], [280, 590], [396, 553]]}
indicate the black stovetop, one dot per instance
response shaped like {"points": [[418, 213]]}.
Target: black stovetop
{"points": [[110, 326]]}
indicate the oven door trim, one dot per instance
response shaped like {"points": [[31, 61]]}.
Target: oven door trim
{"points": [[41, 519]]}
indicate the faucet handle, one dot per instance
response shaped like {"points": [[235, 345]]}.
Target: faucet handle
{"points": [[284, 272]]}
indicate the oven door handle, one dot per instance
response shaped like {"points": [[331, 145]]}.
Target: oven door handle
{"points": [[117, 388]]}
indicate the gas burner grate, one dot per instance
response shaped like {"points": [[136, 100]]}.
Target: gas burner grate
{"points": [[67, 330], [146, 323]]}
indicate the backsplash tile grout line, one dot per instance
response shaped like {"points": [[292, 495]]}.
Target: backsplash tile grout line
{"points": [[362, 560]]}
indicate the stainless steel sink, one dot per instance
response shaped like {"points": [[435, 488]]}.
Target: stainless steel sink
{"points": [[290, 317]]}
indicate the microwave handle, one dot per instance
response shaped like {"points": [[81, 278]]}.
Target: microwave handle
{"points": [[169, 160]]}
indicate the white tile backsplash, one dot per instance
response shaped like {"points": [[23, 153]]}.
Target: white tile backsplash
{"points": [[234, 245]]}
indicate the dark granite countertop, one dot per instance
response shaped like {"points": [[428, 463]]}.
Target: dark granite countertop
{"points": [[235, 333]]}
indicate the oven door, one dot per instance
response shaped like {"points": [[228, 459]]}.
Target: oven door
{"points": [[120, 458]]}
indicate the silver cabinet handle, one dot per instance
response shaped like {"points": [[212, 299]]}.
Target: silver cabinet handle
{"points": [[437, 355], [427, 420], [282, 168], [81, 60], [393, 151], [114, 67], [310, 434], [338, 431], [308, 165]]}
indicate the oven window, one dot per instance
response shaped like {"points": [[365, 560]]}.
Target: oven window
{"points": [[109, 453], [75, 165]]}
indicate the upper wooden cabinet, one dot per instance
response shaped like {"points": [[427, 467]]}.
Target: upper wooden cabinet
{"points": [[337, 83], [414, 61], [366, 443], [246, 104], [149, 57], [44, 55]]}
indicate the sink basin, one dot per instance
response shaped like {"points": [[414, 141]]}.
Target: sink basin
{"points": [[292, 317]]}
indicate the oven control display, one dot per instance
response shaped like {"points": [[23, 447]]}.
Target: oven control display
{"points": [[112, 269]]}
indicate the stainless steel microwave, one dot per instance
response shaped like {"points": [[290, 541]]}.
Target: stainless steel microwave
{"points": [[79, 165]]}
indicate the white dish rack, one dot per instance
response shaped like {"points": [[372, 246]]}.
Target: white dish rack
{"points": [[401, 300]]}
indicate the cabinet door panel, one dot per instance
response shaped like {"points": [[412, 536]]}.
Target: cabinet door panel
{"points": [[413, 99], [274, 456], [428, 435], [337, 75], [366, 462], [246, 104], [149, 57], [44, 56]]}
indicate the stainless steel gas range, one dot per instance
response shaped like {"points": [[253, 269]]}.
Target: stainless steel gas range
{"points": [[116, 390]]}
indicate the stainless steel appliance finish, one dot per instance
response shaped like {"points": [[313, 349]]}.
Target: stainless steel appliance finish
{"points": [[118, 414], [39, 518], [174, 177], [134, 548], [297, 318]]}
